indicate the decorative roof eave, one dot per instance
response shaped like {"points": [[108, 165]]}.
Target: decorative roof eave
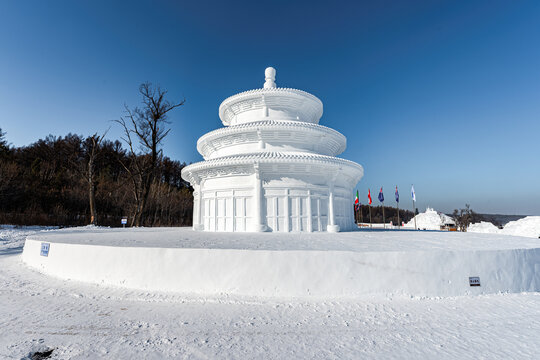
{"points": [[354, 170], [250, 93], [225, 109], [270, 125]]}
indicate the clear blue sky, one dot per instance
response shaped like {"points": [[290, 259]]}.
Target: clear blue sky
{"points": [[442, 94]]}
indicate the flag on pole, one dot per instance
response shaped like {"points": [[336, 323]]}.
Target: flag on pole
{"points": [[413, 194], [369, 196], [381, 196], [397, 195], [356, 201]]}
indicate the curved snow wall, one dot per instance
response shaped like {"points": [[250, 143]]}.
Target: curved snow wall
{"points": [[290, 273]]}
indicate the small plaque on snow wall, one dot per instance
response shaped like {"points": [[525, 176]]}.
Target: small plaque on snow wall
{"points": [[474, 281], [45, 249]]}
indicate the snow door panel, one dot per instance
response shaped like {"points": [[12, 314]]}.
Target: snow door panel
{"points": [[240, 214], [304, 214], [249, 211], [271, 213], [295, 214], [210, 214], [315, 223], [275, 213], [299, 213], [220, 215]]}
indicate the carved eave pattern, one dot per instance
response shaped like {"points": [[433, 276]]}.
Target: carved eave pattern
{"points": [[283, 162], [325, 139], [308, 107]]}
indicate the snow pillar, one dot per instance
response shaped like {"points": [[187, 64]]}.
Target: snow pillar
{"points": [[331, 227], [310, 215], [198, 224], [258, 225], [287, 212]]}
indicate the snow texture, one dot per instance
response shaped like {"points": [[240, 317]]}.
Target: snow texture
{"points": [[528, 226], [83, 321], [484, 227], [419, 263], [429, 220]]}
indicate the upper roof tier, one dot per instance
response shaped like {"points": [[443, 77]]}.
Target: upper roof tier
{"points": [[270, 103]]}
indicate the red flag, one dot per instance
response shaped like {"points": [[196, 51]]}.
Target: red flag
{"points": [[369, 196]]}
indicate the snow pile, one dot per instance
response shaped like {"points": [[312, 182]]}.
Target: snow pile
{"points": [[528, 226], [430, 220], [483, 227]]}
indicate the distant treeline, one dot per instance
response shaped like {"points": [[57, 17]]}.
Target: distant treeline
{"points": [[390, 214], [49, 182]]}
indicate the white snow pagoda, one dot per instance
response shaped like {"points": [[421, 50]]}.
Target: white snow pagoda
{"points": [[273, 167]]}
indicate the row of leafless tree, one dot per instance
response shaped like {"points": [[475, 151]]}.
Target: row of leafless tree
{"points": [[74, 180]]}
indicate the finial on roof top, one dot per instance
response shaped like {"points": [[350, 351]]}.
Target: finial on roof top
{"points": [[269, 77]]}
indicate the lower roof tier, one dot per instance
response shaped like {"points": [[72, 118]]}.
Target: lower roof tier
{"points": [[271, 136], [275, 163]]}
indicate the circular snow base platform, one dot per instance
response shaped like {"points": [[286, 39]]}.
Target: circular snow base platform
{"points": [[418, 263]]}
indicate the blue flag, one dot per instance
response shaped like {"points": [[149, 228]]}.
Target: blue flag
{"points": [[397, 195], [381, 196]]}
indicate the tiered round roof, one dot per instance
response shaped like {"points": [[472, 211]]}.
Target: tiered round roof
{"points": [[272, 125]]}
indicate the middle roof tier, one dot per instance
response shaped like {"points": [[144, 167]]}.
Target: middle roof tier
{"points": [[271, 135]]}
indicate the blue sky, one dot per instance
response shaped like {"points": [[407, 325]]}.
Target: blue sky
{"points": [[442, 94]]}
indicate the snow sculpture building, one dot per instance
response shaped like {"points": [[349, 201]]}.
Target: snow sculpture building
{"points": [[273, 167]]}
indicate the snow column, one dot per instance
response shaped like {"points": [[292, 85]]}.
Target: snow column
{"points": [[332, 227], [197, 208], [258, 225]]}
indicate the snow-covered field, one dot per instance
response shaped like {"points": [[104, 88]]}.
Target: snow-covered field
{"points": [[528, 227], [89, 321]]}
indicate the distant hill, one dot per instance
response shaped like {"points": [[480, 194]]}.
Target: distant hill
{"points": [[499, 219]]}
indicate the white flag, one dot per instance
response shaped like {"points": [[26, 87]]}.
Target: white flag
{"points": [[413, 194]]}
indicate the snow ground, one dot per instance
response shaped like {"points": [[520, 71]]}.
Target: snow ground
{"points": [[366, 240], [82, 321]]}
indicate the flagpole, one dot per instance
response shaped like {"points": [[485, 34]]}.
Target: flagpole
{"points": [[398, 223], [414, 214], [370, 225], [413, 195], [383, 218]]}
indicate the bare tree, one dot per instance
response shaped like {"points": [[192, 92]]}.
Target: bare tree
{"points": [[146, 127], [82, 155], [4, 147], [465, 217], [92, 146]]}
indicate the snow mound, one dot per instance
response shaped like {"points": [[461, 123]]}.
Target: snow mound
{"points": [[483, 227], [528, 226], [430, 220]]}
